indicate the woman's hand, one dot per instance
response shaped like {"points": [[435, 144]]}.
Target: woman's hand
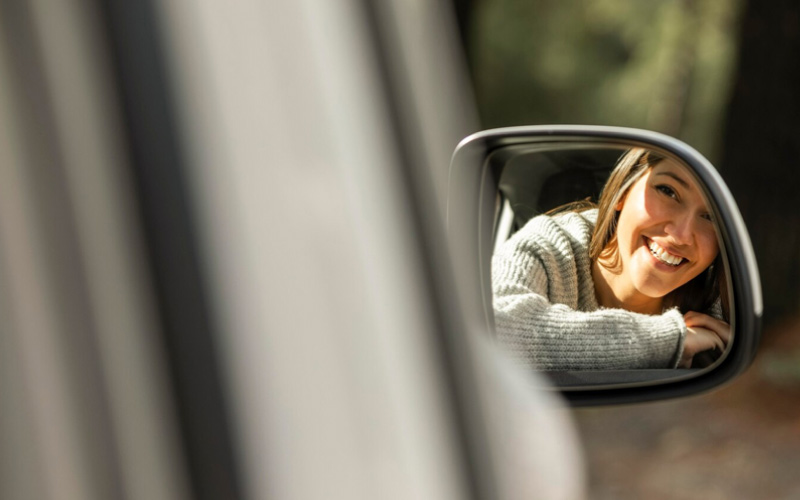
{"points": [[703, 332]]}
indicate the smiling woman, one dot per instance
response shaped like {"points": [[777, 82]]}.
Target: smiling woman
{"points": [[633, 281], [660, 233]]}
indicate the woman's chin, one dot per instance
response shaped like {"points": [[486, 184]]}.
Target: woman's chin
{"points": [[655, 285]]}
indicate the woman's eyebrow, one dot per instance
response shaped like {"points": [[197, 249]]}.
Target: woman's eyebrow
{"points": [[676, 177]]}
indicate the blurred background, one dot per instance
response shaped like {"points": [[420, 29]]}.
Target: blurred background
{"points": [[723, 76]]}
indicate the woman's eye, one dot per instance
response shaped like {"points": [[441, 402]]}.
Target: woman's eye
{"points": [[663, 188], [708, 217]]}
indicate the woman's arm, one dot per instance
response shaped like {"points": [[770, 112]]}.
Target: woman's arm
{"points": [[556, 337]]}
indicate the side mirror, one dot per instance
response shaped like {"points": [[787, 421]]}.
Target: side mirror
{"points": [[686, 250]]}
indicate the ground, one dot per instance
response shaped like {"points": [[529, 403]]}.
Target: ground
{"points": [[739, 442]]}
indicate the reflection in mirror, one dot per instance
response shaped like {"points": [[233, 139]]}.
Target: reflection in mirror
{"points": [[607, 258]]}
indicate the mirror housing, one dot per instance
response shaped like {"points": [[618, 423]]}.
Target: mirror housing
{"points": [[472, 218]]}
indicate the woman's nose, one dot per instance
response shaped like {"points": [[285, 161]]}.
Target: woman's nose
{"points": [[681, 229]]}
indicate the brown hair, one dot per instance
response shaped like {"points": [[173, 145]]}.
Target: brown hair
{"points": [[699, 294]]}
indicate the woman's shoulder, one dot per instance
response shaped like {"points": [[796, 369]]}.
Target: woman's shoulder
{"points": [[576, 220], [550, 256], [577, 226], [567, 232]]}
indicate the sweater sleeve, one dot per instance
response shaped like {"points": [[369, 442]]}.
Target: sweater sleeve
{"points": [[556, 336]]}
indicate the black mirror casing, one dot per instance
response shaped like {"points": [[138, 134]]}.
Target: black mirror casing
{"points": [[474, 178]]}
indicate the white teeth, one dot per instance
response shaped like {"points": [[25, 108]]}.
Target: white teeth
{"points": [[663, 255]]}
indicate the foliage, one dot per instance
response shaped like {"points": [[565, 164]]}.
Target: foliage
{"points": [[660, 65]]}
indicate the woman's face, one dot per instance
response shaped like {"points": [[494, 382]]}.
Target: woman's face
{"points": [[665, 233]]}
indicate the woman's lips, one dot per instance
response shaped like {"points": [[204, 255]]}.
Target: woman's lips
{"points": [[662, 256]]}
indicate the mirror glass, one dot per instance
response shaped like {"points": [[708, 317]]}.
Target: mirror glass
{"points": [[608, 265]]}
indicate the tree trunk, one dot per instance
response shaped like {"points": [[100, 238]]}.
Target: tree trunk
{"points": [[761, 150]]}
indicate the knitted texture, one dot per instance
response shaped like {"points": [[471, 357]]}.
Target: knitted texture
{"points": [[547, 314]]}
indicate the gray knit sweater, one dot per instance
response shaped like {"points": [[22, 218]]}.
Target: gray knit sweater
{"points": [[547, 313]]}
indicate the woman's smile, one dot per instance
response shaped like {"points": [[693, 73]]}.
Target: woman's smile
{"points": [[664, 256]]}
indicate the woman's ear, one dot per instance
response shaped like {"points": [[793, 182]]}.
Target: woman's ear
{"points": [[621, 202]]}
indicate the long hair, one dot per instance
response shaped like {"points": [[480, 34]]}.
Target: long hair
{"points": [[703, 291]]}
